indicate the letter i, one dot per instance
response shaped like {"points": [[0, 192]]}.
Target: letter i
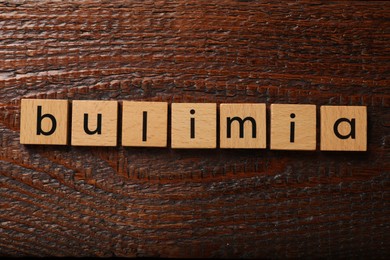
{"points": [[192, 124], [292, 129]]}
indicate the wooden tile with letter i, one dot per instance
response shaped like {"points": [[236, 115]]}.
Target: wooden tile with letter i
{"points": [[343, 128], [144, 123], [94, 123], [243, 126], [194, 125], [293, 127], [44, 121]]}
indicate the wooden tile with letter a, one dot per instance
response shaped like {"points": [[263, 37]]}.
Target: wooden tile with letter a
{"points": [[94, 123], [243, 126], [144, 123], [343, 128], [293, 127], [194, 125], [44, 121]]}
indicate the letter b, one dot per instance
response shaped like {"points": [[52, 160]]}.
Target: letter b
{"points": [[40, 117]]}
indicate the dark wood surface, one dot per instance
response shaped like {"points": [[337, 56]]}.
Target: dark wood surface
{"points": [[79, 201]]}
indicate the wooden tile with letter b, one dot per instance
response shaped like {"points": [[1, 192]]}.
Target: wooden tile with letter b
{"points": [[243, 126], [94, 123], [144, 123], [44, 121], [343, 128], [194, 125], [293, 127]]}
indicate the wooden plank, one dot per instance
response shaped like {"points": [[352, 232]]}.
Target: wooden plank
{"points": [[163, 202]]}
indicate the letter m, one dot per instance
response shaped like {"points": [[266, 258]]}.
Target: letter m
{"points": [[241, 121]]}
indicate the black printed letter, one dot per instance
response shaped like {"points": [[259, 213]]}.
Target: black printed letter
{"points": [[292, 129], [192, 124], [98, 129], [351, 132], [144, 126], [241, 122], [40, 117]]}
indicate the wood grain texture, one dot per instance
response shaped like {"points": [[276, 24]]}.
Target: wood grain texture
{"points": [[120, 201]]}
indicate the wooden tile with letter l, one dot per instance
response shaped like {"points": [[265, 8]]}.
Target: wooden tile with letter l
{"points": [[94, 123], [243, 126], [144, 123], [44, 121], [293, 127], [343, 128], [194, 125]]}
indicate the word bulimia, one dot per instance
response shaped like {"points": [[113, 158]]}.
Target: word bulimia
{"points": [[192, 125]]}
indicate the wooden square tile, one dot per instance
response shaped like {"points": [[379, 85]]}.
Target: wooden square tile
{"points": [[94, 123], [243, 126], [293, 127], [144, 124], [194, 125], [44, 121], [343, 128]]}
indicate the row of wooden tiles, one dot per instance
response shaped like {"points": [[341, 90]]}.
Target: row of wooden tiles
{"points": [[193, 125]]}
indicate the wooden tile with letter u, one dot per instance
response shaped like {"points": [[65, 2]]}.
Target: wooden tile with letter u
{"points": [[94, 123]]}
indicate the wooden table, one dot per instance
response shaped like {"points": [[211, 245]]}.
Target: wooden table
{"points": [[147, 202]]}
